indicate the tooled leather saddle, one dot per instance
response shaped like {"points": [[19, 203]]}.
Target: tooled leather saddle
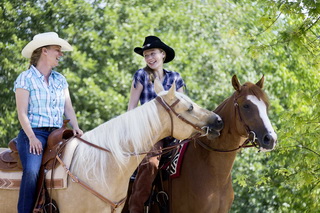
{"points": [[10, 161]]}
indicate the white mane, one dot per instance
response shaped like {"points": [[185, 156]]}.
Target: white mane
{"points": [[130, 132]]}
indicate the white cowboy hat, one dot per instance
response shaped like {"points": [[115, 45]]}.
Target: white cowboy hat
{"points": [[44, 39]]}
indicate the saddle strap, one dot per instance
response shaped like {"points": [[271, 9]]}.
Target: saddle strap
{"points": [[75, 179]]}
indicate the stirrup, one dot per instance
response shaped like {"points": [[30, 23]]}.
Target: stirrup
{"points": [[162, 198], [54, 209]]}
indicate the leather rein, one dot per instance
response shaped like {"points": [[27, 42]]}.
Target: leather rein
{"points": [[75, 179], [249, 142], [168, 108]]}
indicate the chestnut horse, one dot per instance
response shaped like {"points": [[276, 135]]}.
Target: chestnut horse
{"points": [[205, 184], [136, 131]]}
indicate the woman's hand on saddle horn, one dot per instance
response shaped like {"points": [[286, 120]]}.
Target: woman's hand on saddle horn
{"points": [[77, 131]]}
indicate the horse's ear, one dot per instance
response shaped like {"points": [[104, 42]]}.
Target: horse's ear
{"points": [[235, 83], [171, 92], [158, 86], [260, 82]]}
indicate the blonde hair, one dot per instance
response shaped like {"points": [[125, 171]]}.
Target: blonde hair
{"points": [[150, 74]]}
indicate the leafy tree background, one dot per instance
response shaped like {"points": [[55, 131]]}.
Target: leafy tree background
{"points": [[213, 40]]}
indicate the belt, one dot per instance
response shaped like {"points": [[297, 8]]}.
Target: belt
{"points": [[48, 129]]}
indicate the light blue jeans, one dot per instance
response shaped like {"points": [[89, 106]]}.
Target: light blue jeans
{"points": [[31, 164]]}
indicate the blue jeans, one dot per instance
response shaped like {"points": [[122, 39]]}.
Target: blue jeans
{"points": [[31, 164]]}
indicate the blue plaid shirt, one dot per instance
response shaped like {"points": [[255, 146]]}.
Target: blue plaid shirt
{"points": [[46, 102], [148, 92]]}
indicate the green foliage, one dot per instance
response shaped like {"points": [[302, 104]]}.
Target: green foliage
{"points": [[213, 40], [290, 176]]}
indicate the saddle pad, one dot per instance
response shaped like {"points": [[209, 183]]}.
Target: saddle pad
{"points": [[12, 180], [175, 166]]}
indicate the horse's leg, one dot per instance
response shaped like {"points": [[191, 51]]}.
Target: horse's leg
{"points": [[226, 197]]}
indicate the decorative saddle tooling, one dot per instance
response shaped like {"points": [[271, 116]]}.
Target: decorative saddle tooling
{"points": [[9, 158], [173, 166], [59, 142]]}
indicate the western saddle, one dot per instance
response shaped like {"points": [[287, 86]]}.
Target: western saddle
{"points": [[10, 161]]}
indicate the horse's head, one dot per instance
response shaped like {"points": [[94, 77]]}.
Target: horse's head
{"points": [[186, 117], [251, 107]]}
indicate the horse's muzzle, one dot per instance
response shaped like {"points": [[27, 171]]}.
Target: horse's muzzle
{"points": [[215, 126], [268, 142]]}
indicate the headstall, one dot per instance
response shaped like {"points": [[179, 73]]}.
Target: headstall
{"points": [[249, 142], [170, 108]]}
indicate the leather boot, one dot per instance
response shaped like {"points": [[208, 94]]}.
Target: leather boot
{"points": [[142, 185]]}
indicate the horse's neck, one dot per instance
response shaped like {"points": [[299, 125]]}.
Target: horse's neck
{"points": [[202, 163], [228, 140], [122, 136]]}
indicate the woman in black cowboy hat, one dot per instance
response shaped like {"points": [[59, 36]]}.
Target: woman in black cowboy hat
{"points": [[155, 54]]}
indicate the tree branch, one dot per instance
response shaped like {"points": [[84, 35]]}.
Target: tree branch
{"points": [[269, 25]]}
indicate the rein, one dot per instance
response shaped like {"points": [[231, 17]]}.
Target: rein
{"points": [[246, 144], [75, 179], [249, 142], [156, 152], [169, 109], [168, 149]]}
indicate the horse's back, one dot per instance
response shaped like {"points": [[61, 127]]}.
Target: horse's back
{"points": [[8, 197]]}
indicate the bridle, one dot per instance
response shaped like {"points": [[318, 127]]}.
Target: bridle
{"points": [[251, 135], [249, 142], [168, 108]]}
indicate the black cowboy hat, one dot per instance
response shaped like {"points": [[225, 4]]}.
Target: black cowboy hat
{"points": [[155, 42]]}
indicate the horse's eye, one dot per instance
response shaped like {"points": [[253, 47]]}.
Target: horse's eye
{"points": [[246, 106], [190, 108]]}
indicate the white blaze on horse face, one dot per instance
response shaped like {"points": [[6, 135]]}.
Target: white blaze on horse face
{"points": [[263, 114]]}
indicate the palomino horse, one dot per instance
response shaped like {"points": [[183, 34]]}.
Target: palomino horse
{"points": [[205, 184], [136, 131]]}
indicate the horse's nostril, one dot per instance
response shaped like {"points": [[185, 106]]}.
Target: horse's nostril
{"points": [[267, 139], [219, 123]]}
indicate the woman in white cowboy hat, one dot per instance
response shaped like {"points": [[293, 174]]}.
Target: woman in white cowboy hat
{"points": [[42, 99], [155, 54]]}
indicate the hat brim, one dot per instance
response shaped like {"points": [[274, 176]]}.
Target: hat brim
{"points": [[170, 54], [35, 44]]}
